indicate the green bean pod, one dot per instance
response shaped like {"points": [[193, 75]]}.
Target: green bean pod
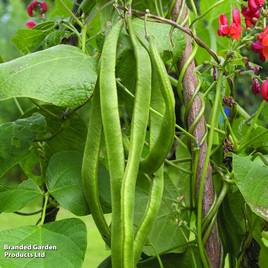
{"points": [[139, 124], [90, 167], [157, 187], [150, 214], [162, 145], [113, 136]]}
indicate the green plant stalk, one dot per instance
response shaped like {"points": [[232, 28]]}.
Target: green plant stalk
{"points": [[206, 12], [183, 70], [213, 210], [84, 39], [113, 136], [204, 172], [72, 14], [46, 196], [139, 124], [18, 106], [241, 111], [152, 208], [255, 117], [90, 167]]}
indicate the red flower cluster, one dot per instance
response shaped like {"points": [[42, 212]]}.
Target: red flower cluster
{"points": [[261, 45], [235, 29], [252, 11], [257, 88], [35, 5]]}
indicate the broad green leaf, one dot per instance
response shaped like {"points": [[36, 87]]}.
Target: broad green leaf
{"points": [[61, 75], [17, 139], [251, 178], [64, 181], [15, 197], [31, 166], [27, 40], [68, 236]]}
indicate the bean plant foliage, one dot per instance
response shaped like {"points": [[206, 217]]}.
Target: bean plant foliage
{"points": [[149, 116]]}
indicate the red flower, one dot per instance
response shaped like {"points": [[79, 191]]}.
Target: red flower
{"points": [[30, 24], [43, 7], [261, 45], [35, 5], [31, 7], [234, 30], [256, 87], [264, 90], [252, 12], [250, 16], [223, 25], [255, 4]]}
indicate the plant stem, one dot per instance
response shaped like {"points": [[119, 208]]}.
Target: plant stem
{"points": [[84, 39], [18, 105], [44, 209], [204, 172], [212, 212]]}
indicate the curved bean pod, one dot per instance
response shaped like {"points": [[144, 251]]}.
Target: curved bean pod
{"points": [[150, 214], [112, 135], [162, 145], [137, 138], [155, 197], [90, 167]]}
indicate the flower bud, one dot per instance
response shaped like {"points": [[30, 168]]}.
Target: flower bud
{"points": [[30, 24], [256, 87]]}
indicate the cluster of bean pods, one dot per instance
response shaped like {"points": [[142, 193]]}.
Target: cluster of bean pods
{"points": [[153, 91]]}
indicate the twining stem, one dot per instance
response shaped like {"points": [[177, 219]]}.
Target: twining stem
{"points": [[71, 13], [18, 106], [206, 12], [205, 169], [200, 42], [255, 117], [213, 211], [44, 208]]}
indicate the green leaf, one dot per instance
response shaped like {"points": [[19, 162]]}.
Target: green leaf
{"points": [[68, 236], [64, 181], [17, 139], [61, 75], [15, 197], [251, 178], [232, 223], [27, 40]]}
